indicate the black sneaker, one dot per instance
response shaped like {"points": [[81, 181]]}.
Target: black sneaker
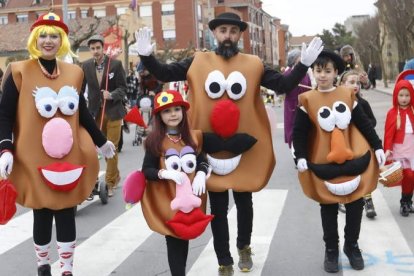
{"points": [[44, 270], [331, 260], [405, 209], [369, 208], [354, 256]]}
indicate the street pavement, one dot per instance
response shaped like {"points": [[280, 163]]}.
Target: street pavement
{"points": [[287, 234]]}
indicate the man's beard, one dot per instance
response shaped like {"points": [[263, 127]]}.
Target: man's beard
{"points": [[227, 51]]}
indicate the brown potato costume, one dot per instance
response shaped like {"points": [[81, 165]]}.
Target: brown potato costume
{"points": [[227, 107], [32, 163], [342, 165], [156, 201]]}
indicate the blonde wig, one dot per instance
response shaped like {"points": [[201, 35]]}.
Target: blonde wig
{"points": [[48, 29]]}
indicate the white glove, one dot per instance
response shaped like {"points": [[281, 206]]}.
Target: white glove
{"points": [[302, 165], [143, 44], [310, 54], [6, 164], [175, 176], [380, 155], [199, 183], [108, 149]]}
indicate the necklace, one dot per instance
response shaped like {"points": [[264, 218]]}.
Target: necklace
{"points": [[56, 71], [174, 140]]}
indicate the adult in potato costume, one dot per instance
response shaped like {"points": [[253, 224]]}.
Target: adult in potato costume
{"points": [[334, 144], [48, 138], [226, 105]]}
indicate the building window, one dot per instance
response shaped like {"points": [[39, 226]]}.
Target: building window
{"points": [[22, 18], [99, 13], [121, 11], [168, 34], [167, 9], [4, 20], [145, 10], [71, 14], [84, 13], [220, 1]]}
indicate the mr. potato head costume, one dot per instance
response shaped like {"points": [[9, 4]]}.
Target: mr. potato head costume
{"points": [[335, 137], [226, 105], [47, 139], [334, 143]]}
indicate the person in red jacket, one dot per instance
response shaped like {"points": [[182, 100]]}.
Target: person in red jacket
{"points": [[399, 140]]}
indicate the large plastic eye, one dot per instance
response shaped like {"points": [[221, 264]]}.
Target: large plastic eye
{"points": [[236, 85], [188, 163], [342, 114], [215, 84], [68, 100], [326, 118], [46, 103], [173, 162]]}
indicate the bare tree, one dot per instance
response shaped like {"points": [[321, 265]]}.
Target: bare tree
{"points": [[78, 34], [399, 19]]}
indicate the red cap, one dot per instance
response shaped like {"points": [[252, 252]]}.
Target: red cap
{"points": [[50, 19], [167, 99]]}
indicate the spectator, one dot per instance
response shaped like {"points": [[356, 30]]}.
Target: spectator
{"points": [[106, 82]]}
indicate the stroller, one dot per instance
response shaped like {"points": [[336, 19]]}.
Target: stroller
{"points": [[141, 116]]}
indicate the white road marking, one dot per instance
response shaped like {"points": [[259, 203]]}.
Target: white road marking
{"points": [[20, 229], [383, 245], [103, 252], [268, 205]]}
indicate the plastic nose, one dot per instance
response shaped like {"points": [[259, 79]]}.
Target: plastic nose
{"points": [[339, 151], [57, 138]]}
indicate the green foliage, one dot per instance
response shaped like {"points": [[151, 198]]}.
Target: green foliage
{"points": [[337, 37]]}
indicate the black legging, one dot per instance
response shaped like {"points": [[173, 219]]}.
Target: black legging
{"points": [[329, 215], [219, 204], [42, 225], [177, 250]]}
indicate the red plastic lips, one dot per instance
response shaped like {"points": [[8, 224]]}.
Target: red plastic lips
{"points": [[191, 225], [8, 196], [61, 176]]}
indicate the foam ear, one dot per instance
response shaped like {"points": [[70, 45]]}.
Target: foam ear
{"points": [[134, 187]]}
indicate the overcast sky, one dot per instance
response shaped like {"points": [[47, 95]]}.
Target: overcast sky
{"points": [[310, 17]]}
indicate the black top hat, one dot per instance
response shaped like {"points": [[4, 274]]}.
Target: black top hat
{"points": [[335, 58], [227, 18]]}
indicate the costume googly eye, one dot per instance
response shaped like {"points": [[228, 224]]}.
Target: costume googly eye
{"points": [[342, 114], [215, 84], [172, 160], [326, 118], [68, 100], [236, 85], [45, 100], [188, 162]]}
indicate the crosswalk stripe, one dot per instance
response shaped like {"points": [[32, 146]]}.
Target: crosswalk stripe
{"points": [[268, 205], [384, 247], [103, 252], [20, 228]]}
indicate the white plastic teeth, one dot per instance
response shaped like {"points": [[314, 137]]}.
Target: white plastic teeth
{"points": [[224, 166], [344, 188]]}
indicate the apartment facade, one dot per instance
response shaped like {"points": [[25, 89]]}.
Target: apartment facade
{"points": [[176, 24]]}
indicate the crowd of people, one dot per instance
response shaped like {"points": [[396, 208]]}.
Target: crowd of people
{"points": [[329, 128]]}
